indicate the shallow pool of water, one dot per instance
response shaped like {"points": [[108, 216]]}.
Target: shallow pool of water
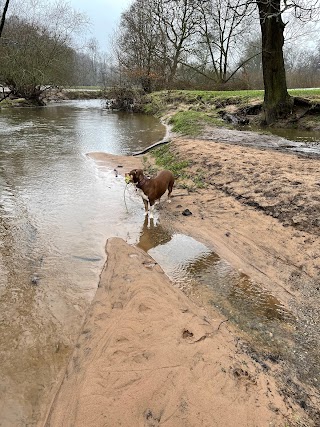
{"points": [[203, 275], [271, 329], [297, 140]]}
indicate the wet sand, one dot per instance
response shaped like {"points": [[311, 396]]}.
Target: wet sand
{"points": [[148, 356], [260, 212]]}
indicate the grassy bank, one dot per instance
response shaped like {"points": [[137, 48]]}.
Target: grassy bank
{"points": [[165, 157], [83, 92], [157, 102], [189, 112]]}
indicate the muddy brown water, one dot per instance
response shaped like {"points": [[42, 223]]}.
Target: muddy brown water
{"points": [[57, 208]]}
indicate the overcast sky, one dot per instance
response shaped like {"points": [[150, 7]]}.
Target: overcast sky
{"points": [[104, 16]]}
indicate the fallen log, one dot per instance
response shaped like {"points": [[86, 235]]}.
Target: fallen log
{"points": [[157, 144]]}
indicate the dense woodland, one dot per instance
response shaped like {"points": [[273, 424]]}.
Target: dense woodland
{"points": [[185, 44]]}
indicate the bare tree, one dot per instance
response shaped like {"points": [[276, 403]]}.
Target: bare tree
{"points": [[93, 54], [39, 49], [210, 37], [137, 45], [251, 64], [302, 66], [178, 21], [224, 27], [203, 35]]}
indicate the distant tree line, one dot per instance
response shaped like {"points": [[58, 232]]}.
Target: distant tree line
{"points": [[203, 44], [212, 44], [37, 49]]}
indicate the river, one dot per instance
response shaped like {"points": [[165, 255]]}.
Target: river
{"points": [[56, 211]]}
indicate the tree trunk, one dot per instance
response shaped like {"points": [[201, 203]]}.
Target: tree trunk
{"points": [[277, 101]]}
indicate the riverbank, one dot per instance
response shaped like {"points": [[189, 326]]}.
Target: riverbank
{"points": [[258, 209], [53, 95], [148, 356], [190, 111]]}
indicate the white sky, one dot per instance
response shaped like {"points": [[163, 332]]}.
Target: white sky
{"points": [[104, 16]]}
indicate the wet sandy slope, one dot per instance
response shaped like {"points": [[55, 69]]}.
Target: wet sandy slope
{"points": [[261, 212], [147, 356]]}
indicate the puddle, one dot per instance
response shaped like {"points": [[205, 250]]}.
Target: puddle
{"points": [[269, 327], [297, 140], [297, 135], [194, 267], [292, 140], [257, 300]]}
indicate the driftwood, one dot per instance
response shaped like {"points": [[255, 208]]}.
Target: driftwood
{"points": [[157, 144], [4, 95]]}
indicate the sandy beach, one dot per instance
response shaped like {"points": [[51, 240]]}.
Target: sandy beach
{"points": [[149, 355]]}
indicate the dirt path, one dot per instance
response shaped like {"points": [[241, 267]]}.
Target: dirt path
{"points": [[261, 212]]}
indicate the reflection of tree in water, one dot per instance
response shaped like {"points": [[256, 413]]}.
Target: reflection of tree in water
{"points": [[256, 300], [234, 291], [153, 235], [202, 263]]}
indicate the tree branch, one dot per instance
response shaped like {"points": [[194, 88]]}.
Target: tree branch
{"points": [[225, 80], [3, 17]]}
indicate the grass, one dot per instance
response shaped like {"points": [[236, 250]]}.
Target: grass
{"points": [[192, 122], [189, 111], [199, 179], [18, 102], [193, 109], [158, 102], [98, 88], [305, 93], [208, 95], [165, 158], [203, 96]]}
